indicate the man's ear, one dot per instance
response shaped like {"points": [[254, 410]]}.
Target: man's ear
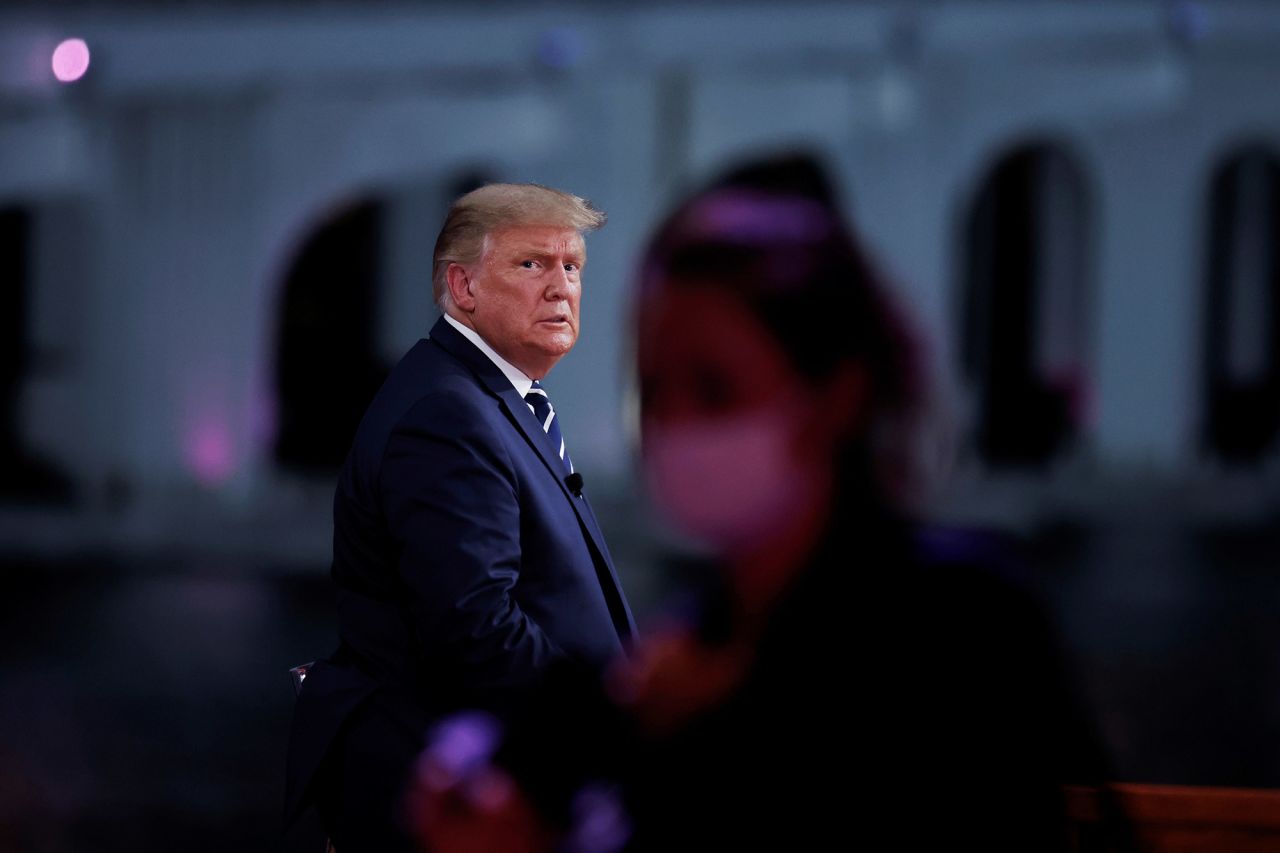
{"points": [[460, 287]]}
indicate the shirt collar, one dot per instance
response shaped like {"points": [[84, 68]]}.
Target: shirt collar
{"points": [[514, 374]]}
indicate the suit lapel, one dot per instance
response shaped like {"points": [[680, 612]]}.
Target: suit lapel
{"points": [[497, 384], [623, 619], [522, 417]]}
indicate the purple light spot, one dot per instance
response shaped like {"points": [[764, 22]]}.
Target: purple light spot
{"points": [[70, 60], [600, 822], [464, 742], [753, 218], [1188, 20], [209, 452], [561, 48]]}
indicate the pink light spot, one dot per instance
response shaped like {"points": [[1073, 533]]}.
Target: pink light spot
{"points": [[209, 453], [70, 60]]}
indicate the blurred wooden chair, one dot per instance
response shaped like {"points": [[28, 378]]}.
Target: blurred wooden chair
{"points": [[1177, 819], [299, 674]]}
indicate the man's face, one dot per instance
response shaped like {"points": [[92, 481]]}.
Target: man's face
{"points": [[527, 286]]}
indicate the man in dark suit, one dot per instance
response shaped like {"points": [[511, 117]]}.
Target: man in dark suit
{"points": [[467, 559]]}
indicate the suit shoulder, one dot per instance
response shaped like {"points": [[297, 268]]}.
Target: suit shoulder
{"points": [[426, 381], [427, 391]]}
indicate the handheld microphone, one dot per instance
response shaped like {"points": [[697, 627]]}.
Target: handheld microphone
{"points": [[574, 482]]}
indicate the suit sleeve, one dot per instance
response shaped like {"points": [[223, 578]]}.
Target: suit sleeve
{"points": [[450, 496]]}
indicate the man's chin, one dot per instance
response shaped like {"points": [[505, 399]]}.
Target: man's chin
{"points": [[550, 352], [559, 345]]}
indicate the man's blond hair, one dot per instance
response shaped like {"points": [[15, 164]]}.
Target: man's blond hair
{"points": [[495, 206]]}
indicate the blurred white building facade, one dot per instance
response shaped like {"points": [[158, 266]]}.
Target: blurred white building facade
{"points": [[169, 195]]}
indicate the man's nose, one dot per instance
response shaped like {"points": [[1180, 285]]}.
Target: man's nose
{"points": [[558, 283]]}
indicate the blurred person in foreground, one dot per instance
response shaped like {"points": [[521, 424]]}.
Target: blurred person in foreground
{"points": [[845, 675], [467, 560]]}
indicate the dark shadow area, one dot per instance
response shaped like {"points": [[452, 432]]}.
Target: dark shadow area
{"points": [[1242, 310], [147, 709], [25, 477], [327, 364], [1024, 294], [147, 703]]}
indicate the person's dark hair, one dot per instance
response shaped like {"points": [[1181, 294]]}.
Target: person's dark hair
{"points": [[771, 232]]}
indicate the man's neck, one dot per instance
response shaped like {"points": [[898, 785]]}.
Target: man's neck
{"points": [[517, 377]]}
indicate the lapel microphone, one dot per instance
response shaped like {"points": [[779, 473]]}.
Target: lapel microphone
{"points": [[574, 482]]}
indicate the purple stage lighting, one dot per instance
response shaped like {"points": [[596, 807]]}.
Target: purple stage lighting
{"points": [[70, 60]]}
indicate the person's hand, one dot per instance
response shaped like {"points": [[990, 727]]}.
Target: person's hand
{"points": [[460, 802], [672, 677]]}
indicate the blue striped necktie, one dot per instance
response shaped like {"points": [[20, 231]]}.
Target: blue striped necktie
{"points": [[540, 403]]}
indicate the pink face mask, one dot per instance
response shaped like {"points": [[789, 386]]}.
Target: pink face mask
{"points": [[733, 481]]}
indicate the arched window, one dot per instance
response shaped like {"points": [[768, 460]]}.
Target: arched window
{"points": [[25, 476], [356, 296], [1024, 336], [1242, 314], [414, 211], [327, 362]]}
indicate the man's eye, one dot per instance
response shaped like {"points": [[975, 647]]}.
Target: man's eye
{"points": [[528, 264], [570, 267]]}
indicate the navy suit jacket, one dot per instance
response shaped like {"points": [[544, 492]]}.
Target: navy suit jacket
{"points": [[464, 564]]}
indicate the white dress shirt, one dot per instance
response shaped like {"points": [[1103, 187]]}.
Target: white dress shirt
{"points": [[521, 382]]}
